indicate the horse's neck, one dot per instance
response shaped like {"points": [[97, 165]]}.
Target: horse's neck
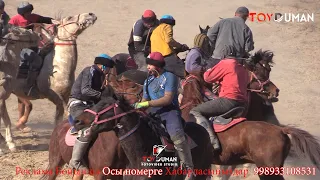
{"points": [[65, 60], [139, 144], [132, 144]]}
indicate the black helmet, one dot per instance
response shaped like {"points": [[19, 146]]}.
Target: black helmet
{"points": [[24, 7]]}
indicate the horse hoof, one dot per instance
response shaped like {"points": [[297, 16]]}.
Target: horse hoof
{"points": [[12, 147]]}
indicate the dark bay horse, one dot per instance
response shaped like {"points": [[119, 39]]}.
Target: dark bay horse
{"points": [[138, 135]]}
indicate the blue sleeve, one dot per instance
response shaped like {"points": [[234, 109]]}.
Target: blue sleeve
{"points": [[138, 30], [145, 95], [171, 83]]}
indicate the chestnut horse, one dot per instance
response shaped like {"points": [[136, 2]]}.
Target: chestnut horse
{"points": [[100, 154]]}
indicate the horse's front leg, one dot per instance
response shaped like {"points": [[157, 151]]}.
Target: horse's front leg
{"points": [[7, 123], [25, 108]]}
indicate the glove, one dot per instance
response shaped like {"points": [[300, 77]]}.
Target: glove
{"points": [[184, 47], [141, 105]]}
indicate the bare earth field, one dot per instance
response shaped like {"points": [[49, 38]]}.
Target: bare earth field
{"points": [[295, 45]]}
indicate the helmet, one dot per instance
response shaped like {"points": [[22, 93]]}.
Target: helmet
{"points": [[156, 59], [168, 19], [148, 16], [2, 4], [202, 42], [105, 60], [24, 7]]}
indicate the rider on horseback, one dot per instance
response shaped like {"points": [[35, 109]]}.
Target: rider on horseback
{"points": [[160, 93], [234, 79], [32, 55], [85, 92], [232, 32], [25, 16], [139, 42], [162, 41]]}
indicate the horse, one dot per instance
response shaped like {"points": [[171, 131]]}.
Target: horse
{"points": [[241, 143], [139, 133], [262, 90]]}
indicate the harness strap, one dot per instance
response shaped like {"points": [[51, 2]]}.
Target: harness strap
{"points": [[131, 131]]}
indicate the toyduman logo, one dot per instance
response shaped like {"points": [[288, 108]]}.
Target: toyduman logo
{"points": [[281, 17], [157, 149]]}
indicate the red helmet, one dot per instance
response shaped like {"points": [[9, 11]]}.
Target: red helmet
{"points": [[156, 59], [149, 16]]}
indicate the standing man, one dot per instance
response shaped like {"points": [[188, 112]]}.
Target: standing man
{"points": [[139, 42], [232, 32]]}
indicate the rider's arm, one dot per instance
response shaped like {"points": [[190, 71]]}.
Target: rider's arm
{"points": [[193, 62], [41, 19], [168, 37], [213, 34], [215, 74], [86, 89], [249, 43], [138, 30], [170, 88]]}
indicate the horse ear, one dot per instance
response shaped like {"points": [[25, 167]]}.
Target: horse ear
{"points": [[201, 30], [55, 22], [208, 27]]}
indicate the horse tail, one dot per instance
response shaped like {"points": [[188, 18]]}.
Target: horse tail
{"points": [[304, 144], [55, 158]]}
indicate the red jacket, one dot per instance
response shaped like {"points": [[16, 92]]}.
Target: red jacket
{"points": [[20, 21], [233, 78]]}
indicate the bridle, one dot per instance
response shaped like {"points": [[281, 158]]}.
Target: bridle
{"points": [[261, 83], [116, 117]]}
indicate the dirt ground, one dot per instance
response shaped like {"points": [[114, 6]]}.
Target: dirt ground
{"points": [[295, 45]]}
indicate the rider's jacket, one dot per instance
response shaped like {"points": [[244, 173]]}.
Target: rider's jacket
{"points": [[157, 86], [19, 20], [160, 39], [230, 32], [232, 76], [140, 36], [87, 86]]}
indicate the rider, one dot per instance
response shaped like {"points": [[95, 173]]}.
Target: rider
{"points": [[232, 32], [234, 79], [25, 16], [85, 92], [160, 93], [139, 42], [3, 20], [198, 59], [162, 41]]}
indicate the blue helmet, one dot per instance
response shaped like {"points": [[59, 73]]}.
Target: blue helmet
{"points": [[105, 60], [168, 19]]}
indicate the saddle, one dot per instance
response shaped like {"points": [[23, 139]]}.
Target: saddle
{"points": [[228, 119]]}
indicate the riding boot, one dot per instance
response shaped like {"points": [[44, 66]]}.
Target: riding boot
{"points": [[79, 149], [184, 153], [202, 121]]}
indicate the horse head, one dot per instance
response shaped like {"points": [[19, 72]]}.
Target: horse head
{"points": [[260, 67], [110, 111], [72, 26]]}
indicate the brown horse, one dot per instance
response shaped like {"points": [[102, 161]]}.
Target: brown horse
{"points": [[262, 90], [100, 153], [138, 135]]}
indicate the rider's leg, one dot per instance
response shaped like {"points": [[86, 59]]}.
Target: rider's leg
{"points": [[79, 149], [211, 109], [177, 135]]}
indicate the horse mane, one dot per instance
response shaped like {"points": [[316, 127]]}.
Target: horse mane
{"points": [[263, 55]]}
